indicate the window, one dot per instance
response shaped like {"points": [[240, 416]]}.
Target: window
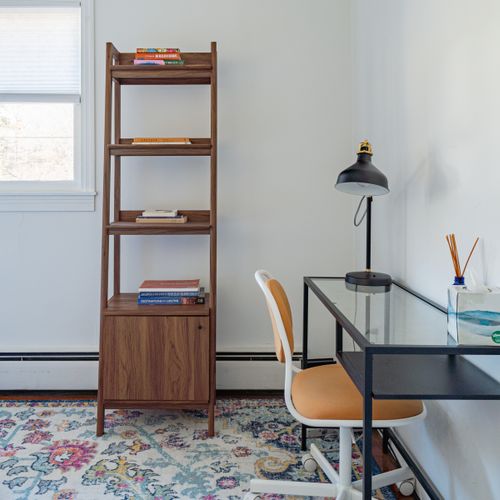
{"points": [[46, 105]]}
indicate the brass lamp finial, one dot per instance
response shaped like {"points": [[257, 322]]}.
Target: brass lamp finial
{"points": [[365, 147]]}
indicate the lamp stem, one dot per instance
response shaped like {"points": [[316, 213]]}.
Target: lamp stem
{"points": [[369, 200]]}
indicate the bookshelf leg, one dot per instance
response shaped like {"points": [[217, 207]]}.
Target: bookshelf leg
{"points": [[211, 421], [100, 419]]}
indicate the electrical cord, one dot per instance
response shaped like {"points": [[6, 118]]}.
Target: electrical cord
{"points": [[357, 223]]}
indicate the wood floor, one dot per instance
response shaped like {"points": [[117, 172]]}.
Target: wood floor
{"points": [[386, 463], [384, 460]]}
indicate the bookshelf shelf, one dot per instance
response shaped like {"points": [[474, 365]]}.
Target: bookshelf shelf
{"points": [[199, 147], [129, 228], [196, 70], [198, 223], [155, 356], [125, 304]]}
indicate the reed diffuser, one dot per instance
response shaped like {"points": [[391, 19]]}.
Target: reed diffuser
{"points": [[473, 310]]}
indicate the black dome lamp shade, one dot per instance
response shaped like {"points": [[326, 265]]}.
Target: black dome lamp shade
{"points": [[363, 178]]}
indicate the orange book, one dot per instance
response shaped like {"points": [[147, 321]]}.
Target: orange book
{"points": [[161, 140], [170, 285], [171, 56]]}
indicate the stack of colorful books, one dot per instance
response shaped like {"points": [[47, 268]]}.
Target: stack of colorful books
{"points": [[161, 217], [171, 292], [158, 56]]}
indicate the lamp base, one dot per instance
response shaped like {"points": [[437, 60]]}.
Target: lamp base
{"points": [[368, 278]]}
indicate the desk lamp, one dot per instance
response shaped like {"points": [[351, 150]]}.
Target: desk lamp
{"points": [[366, 180]]}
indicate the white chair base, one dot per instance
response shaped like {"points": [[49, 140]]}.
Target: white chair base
{"points": [[340, 486]]}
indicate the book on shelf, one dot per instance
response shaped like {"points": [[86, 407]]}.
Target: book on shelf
{"points": [[178, 219], [144, 298], [159, 62], [182, 301], [153, 56], [160, 140], [175, 295], [159, 213], [146, 50], [170, 286]]}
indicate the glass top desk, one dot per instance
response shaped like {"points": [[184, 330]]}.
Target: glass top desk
{"points": [[394, 344]]}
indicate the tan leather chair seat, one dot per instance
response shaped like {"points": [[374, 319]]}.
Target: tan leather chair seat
{"points": [[327, 393]]}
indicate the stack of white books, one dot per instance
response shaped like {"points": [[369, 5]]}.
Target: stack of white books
{"points": [[161, 217]]}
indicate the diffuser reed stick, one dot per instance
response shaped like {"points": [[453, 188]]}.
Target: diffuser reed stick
{"points": [[453, 252], [470, 254], [452, 245]]}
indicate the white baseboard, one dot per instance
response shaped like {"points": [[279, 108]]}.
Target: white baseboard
{"points": [[82, 375]]}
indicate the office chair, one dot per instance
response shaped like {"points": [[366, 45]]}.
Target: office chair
{"points": [[325, 396]]}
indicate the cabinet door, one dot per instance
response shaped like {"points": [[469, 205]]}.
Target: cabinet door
{"points": [[152, 358]]}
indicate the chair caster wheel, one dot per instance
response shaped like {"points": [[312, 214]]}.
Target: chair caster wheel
{"points": [[407, 488], [309, 463], [252, 496]]}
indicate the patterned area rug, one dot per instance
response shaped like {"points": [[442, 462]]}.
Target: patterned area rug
{"points": [[48, 449]]}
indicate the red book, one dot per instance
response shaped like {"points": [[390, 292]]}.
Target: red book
{"points": [[170, 56], [170, 286]]}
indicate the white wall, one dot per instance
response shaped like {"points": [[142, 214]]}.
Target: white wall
{"points": [[283, 135], [427, 75], [49, 275], [285, 130]]}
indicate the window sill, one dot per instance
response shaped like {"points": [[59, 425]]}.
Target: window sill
{"points": [[69, 201]]}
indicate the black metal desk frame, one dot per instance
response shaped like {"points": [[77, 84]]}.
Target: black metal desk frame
{"points": [[432, 372]]}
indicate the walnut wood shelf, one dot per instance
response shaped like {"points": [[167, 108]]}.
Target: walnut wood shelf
{"points": [[196, 70], [198, 223], [198, 147], [155, 356], [130, 228], [125, 304]]}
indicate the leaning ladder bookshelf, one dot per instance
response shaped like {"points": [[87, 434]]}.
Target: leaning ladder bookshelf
{"points": [[155, 356]]}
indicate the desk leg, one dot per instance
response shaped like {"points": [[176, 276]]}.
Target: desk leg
{"points": [[305, 320], [339, 332], [367, 426]]}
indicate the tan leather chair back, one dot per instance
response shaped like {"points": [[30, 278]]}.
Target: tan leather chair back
{"points": [[279, 295]]}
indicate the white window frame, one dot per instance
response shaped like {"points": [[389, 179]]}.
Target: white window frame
{"points": [[77, 195]]}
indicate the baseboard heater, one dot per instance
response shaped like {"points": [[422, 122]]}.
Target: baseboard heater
{"points": [[238, 370], [94, 356]]}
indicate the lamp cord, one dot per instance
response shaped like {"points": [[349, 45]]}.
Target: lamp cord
{"points": [[356, 222]]}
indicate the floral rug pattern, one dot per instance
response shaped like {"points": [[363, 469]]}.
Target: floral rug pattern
{"points": [[48, 449]]}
